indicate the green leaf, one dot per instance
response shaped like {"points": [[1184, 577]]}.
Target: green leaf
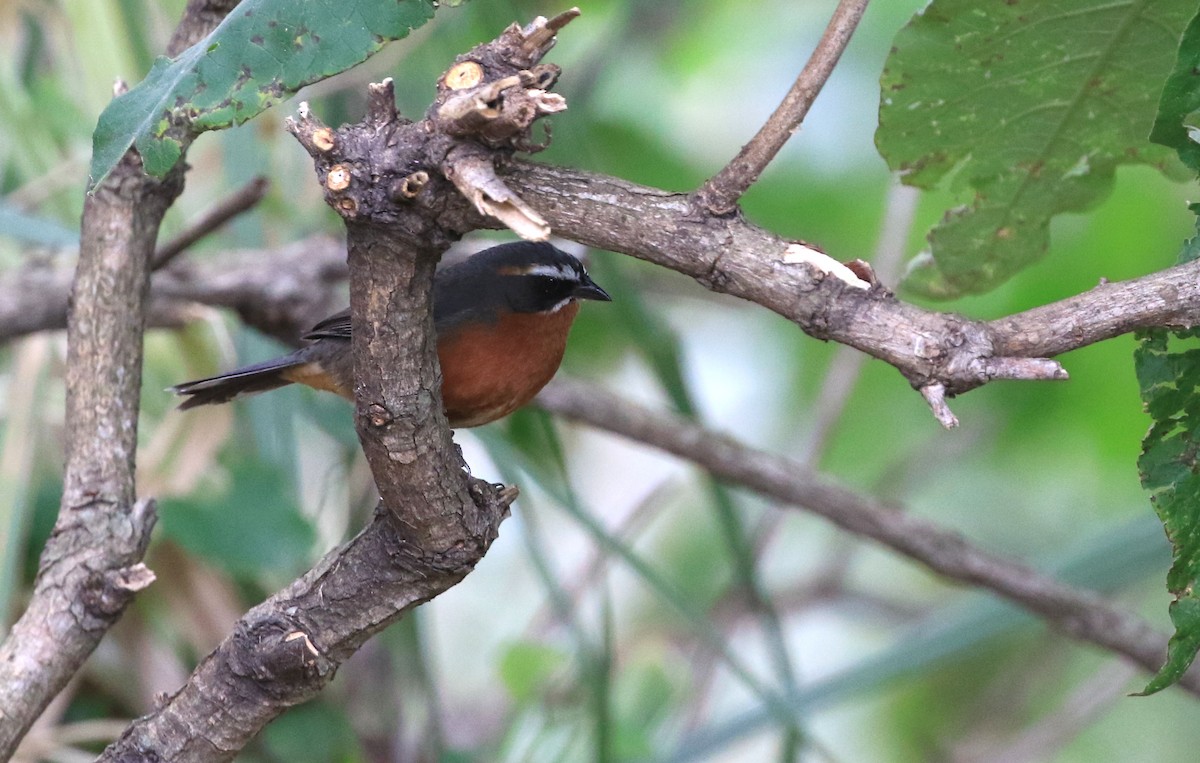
{"points": [[1168, 372], [646, 697], [249, 528], [262, 52], [1030, 105], [1178, 120], [1182, 648], [527, 667]]}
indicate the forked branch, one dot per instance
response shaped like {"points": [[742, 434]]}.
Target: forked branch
{"points": [[719, 195]]}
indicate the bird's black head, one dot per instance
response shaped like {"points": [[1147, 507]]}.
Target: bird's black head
{"points": [[521, 277]]}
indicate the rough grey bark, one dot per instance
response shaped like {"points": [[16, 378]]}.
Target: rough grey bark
{"points": [[281, 292], [931, 349]]}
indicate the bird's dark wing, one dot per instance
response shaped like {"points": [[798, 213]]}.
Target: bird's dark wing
{"points": [[457, 298], [336, 326]]}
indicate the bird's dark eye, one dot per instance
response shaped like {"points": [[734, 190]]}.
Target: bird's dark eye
{"points": [[550, 285], [547, 291]]}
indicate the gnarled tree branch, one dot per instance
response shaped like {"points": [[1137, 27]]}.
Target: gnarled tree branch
{"points": [[941, 354], [435, 521], [394, 187], [733, 256]]}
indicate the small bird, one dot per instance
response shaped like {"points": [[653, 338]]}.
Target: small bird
{"points": [[502, 319]]}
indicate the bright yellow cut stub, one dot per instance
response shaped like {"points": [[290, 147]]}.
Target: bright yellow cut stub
{"points": [[463, 75], [338, 178], [323, 139]]}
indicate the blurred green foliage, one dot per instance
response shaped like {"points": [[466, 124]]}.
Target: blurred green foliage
{"points": [[610, 621], [250, 526]]}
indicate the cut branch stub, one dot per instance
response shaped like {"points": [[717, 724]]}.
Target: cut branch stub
{"points": [[379, 171], [497, 112], [411, 176], [539, 35], [495, 92], [473, 172], [487, 103]]}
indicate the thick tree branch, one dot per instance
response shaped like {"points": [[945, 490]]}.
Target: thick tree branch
{"points": [[733, 256], [287, 649], [837, 388], [719, 195], [91, 566], [1079, 614]]}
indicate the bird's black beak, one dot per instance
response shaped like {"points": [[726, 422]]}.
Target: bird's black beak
{"points": [[589, 289]]}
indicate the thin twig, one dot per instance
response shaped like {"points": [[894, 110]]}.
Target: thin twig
{"points": [[721, 192], [244, 199], [1078, 613], [935, 395]]}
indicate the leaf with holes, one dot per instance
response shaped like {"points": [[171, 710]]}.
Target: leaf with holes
{"points": [[1168, 372], [264, 51], [1030, 105]]}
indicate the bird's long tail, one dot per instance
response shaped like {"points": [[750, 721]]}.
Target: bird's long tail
{"points": [[247, 380]]}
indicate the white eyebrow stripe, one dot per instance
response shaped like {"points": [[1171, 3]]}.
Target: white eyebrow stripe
{"points": [[552, 271]]}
